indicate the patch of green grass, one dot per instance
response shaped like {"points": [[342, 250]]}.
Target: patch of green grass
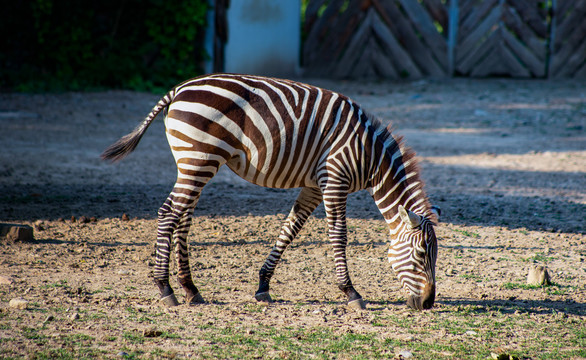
{"points": [[68, 353], [539, 257], [59, 284], [468, 233], [472, 277], [551, 289], [133, 337]]}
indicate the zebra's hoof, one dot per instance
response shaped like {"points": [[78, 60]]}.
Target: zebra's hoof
{"points": [[357, 304], [170, 300], [263, 297], [196, 299]]}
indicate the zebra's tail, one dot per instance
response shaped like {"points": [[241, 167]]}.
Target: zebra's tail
{"points": [[126, 144]]}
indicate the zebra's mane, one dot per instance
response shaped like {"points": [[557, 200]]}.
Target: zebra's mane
{"points": [[392, 144]]}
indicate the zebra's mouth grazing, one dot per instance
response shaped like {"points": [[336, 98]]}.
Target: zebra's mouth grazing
{"points": [[425, 301]]}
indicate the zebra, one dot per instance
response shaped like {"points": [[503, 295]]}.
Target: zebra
{"points": [[285, 134]]}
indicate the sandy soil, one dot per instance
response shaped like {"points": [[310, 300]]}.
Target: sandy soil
{"points": [[504, 159]]}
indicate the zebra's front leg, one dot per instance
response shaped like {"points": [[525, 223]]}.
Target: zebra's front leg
{"points": [[307, 201], [335, 206]]}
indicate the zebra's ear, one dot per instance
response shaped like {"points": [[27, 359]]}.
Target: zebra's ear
{"points": [[409, 217], [436, 210]]}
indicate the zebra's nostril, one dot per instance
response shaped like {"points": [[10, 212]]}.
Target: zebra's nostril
{"points": [[414, 302]]}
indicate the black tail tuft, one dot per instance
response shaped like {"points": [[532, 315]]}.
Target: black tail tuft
{"points": [[124, 146]]}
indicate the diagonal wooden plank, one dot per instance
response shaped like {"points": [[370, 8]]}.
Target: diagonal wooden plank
{"points": [[354, 48], [490, 64], [364, 67], [438, 12], [565, 49], [573, 62], [525, 34], [394, 49], [384, 65], [478, 11], [535, 65], [581, 72], [316, 39], [311, 15], [424, 24], [516, 69], [574, 17], [475, 37], [531, 14], [404, 33], [471, 58]]}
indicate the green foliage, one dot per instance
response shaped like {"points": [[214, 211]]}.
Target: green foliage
{"points": [[79, 45]]}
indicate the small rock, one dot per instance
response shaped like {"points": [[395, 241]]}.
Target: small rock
{"points": [[122, 354], [152, 332], [538, 275], [471, 333], [125, 217], [39, 225], [74, 316], [405, 354], [123, 272], [18, 303]]}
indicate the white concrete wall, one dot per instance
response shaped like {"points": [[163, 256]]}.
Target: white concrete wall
{"points": [[264, 37]]}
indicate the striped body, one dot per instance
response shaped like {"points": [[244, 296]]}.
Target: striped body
{"points": [[285, 134]]}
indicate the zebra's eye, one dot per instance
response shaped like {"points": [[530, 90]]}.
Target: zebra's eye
{"points": [[420, 254]]}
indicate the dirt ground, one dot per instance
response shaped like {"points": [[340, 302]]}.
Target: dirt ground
{"points": [[504, 159]]}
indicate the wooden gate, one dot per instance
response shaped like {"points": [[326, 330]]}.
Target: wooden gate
{"points": [[439, 38], [502, 38], [375, 38], [568, 45]]}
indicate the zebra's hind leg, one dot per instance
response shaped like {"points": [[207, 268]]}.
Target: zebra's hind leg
{"points": [[174, 222], [192, 295], [307, 201], [167, 222]]}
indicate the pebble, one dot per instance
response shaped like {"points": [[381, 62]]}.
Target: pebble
{"points": [[538, 275], [123, 272], [18, 303], [471, 333], [152, 332], [122, 353], [74, 316], [405, 354], [5, 280]]}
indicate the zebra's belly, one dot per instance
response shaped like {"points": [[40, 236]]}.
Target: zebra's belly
{"points": [[269, 177]]}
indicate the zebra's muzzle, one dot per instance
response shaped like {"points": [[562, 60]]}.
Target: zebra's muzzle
{"points": [[425, 301]]}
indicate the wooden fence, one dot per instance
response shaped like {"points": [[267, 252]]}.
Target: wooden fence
{"points": [[439, 38]]}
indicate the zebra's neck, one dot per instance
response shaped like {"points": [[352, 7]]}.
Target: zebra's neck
{"points": [[396, 181]]}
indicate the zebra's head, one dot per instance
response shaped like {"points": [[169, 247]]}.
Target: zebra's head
{"points": [[412, 255]]}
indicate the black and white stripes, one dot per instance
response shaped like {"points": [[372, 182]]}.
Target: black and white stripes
{"points": [[285, 134]]}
